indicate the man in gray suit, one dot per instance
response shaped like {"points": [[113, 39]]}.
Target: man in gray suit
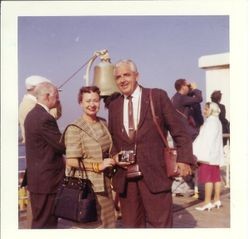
{"points": [[145, 201], [45, 163]]}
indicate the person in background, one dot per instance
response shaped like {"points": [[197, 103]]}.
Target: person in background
{"points": [[187, 101], [44, 155], [184, 99], [195, 109], [216, 97], [29, 101], [89, 140], [145, 201], [208, 149]]}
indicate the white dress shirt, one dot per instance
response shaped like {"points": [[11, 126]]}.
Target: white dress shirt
{"points": [[136, 99]]}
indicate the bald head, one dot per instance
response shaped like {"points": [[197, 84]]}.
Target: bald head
{"points": [[47, 94]]}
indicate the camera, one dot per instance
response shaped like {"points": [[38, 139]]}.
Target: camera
{"points": [[127, 156]]}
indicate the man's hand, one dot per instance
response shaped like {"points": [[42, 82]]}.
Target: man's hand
{"points": [[184, 169]]}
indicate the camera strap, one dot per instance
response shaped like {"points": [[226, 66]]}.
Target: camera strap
{"points": [[163, 137]]}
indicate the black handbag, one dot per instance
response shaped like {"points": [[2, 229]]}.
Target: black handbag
{"points": [[76, 199]]}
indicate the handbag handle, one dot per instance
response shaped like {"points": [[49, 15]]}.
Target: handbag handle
{"points": [[81, 169], [155, 120]]}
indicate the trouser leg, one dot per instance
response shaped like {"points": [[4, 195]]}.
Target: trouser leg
{"points": [[140, 208], [43, 211], [158, 207], [132, 210]]}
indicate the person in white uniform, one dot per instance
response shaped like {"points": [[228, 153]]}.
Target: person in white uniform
{"points": [[29, 101]]}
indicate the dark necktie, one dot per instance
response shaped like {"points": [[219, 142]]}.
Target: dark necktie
{"points": [[131, 125]]}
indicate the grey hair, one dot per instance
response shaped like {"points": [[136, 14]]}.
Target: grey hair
{"points": [[44, 89], [213, 108], [129, 62]]}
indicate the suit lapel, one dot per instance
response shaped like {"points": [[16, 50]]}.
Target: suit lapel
{"points": [[144, 106], [119, 110]]}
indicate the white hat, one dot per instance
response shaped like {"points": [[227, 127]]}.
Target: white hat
{"points": [[34, 80]]}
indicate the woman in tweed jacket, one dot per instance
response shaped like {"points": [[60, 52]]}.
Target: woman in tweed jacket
{"points": [[89, 140]]}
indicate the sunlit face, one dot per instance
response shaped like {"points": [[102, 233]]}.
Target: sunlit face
{"points": [[53, 99], [206, 111], [126, 79], [90, 103], [185, 88]]}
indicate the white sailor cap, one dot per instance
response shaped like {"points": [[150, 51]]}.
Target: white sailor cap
{"points": [[34, 80]]}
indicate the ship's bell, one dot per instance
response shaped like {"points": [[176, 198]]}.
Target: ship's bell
{"points": [[104, 78]]}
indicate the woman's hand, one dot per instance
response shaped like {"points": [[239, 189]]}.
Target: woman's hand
{"points": [[107, 162]]}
